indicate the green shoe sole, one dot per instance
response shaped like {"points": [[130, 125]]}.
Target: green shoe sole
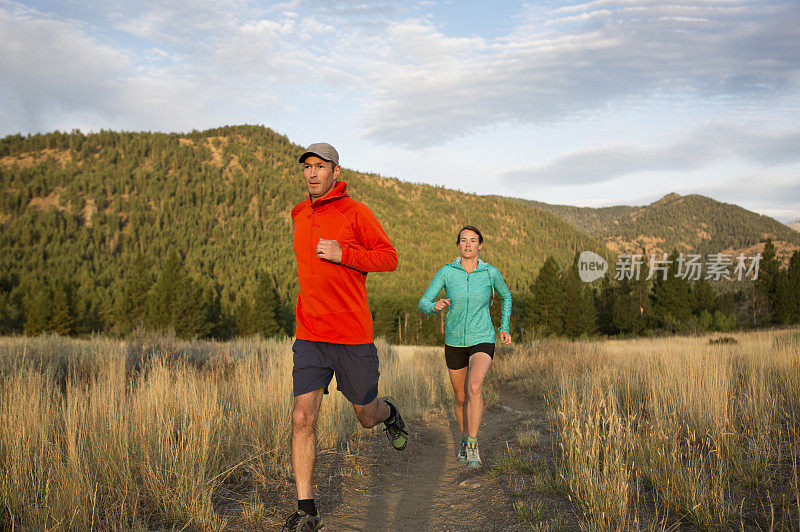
{"points": [[396, 431]]}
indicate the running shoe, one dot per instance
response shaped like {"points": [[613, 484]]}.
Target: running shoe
{"points": [[473, 456], [303, 522], [462, 451], [396, 430]]}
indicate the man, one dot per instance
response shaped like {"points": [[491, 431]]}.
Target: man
{"points": [[337, 240]]}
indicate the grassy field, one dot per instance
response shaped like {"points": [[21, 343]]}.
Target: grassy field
{"points": [[119, 435], [673, 433], [142, 434]]}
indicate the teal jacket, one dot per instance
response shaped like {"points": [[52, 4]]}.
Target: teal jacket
{"points": [[470, 294]]}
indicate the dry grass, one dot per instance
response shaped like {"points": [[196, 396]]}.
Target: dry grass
{"points": [[102, 434], [673, 432], [653, 433]]}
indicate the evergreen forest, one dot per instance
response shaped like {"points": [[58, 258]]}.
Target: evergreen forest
{"points": [[110, 232]]}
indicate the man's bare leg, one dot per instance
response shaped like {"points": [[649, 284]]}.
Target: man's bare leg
{"points": [[304, 441], [372, 413]]}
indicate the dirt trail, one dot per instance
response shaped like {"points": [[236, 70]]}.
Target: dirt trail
{"points": [[424, 487]]}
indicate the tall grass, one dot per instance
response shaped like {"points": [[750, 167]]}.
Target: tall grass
{"points": [[653, 433], [103, 434], [693, 432]]}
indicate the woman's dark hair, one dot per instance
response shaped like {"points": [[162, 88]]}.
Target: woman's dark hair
{"points": [[470, 228]]}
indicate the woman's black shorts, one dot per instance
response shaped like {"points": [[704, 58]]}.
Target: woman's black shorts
{"points": [[458, 357]]}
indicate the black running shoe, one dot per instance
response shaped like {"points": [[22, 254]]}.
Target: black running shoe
{"points": [[396, 430], [302, 522]]}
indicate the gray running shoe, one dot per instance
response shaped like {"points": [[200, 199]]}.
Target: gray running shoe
{"points": [[303, 522], [473, 456], [462, 452]]}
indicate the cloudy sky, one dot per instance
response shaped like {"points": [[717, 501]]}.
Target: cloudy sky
{"points": [[587, 103]]}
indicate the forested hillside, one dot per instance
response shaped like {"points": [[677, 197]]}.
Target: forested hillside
{"points": [[686, 223], [102, 227], [587, 219]]}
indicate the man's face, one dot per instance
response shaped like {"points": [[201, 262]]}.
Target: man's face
{"points": [[320, 176]]}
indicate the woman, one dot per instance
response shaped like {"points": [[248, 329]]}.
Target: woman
{"points": [[470, 285]]}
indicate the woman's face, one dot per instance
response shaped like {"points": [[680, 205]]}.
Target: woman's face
{"points": [[469, 244]]}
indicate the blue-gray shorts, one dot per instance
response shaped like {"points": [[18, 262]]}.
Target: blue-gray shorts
{"points": [[355, 366]]}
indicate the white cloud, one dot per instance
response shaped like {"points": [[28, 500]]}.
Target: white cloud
{"points": [[553, 66], [705, 146], [48, 65], [382, 72], [191, 28], [57, 75]]}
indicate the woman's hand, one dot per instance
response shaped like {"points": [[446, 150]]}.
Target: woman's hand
{"points": [[440, 304], [505, 338]]}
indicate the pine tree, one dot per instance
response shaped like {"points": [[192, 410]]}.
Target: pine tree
{"points": [[62, 315], [768, 273], [131, 305], [11, 308], [164, 296], [703, 297], [578, 310], [38, 309], [604, 303], [781, 298], [223, 326], [545, 308], [190, 311], [266, 307], [671, 304], [244, 317], [633, 304], [793, 289]]}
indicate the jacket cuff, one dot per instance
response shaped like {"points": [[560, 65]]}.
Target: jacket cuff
{"points": [[345, 255]]}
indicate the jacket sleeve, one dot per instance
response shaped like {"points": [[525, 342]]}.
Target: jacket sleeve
{"points": [[378, 253], [426, 303], [505, 299]]}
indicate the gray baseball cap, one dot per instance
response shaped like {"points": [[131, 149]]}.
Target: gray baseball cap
{"points": [[323, 150]]}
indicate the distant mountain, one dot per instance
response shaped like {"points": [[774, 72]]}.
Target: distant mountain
{"points": [[686, 223], [794, 225], [82, 206], [588, 219]]}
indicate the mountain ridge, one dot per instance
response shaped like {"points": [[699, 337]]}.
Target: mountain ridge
{"points": [[621, 229], [83, 205], [690, 223]]}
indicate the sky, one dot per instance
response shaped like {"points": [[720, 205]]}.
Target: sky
{"points": [[605, 102]]}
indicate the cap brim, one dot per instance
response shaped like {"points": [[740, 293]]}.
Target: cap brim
{"points": [[308, 154]]}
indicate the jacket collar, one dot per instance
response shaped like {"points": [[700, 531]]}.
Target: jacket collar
{"points": [[337, 192], [457, 264]]}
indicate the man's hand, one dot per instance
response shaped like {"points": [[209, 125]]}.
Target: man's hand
{"points": [[440, 304], [330, 250], [505, 338]]}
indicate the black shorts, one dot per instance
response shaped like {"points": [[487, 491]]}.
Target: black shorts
{"points": [[458, 357], [355, 366]]}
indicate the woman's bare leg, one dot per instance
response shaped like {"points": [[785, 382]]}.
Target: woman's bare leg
{"points": [[478, 367], [458, 378]]}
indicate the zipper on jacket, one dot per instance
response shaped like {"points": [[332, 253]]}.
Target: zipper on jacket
{"points": [[466, 311], [312, 248]]}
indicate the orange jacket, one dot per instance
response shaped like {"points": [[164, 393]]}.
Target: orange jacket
{"points": [[332, 302]]}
